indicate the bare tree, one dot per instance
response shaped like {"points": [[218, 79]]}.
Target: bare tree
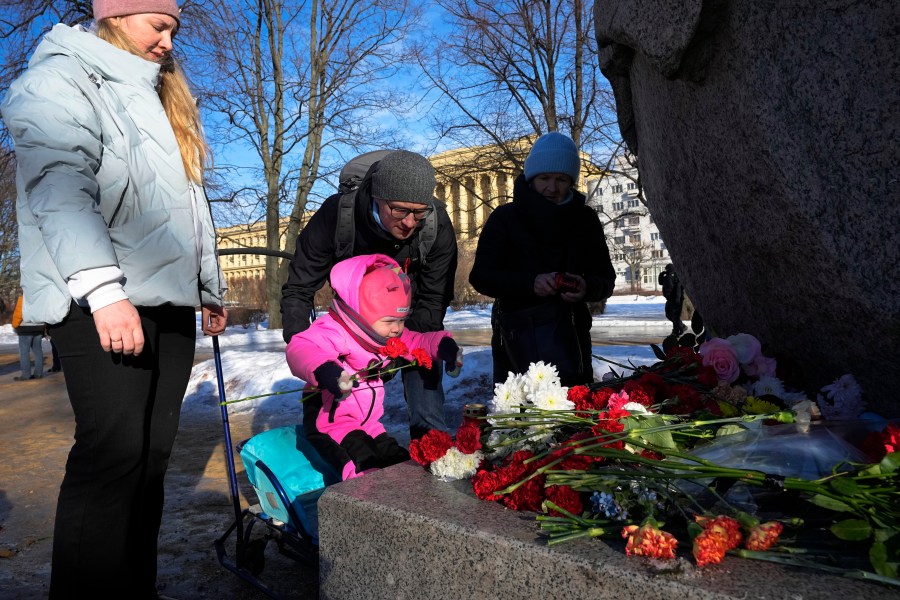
{"points": [[296, 83], [510, 70], [9, 234]]}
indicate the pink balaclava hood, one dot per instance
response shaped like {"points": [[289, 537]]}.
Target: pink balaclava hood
{"points": [[373, 286]]}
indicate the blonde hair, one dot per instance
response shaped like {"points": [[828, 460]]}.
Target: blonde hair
{"points": [[177, 101]]}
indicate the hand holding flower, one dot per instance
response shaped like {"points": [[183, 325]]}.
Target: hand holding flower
{"points": [[450, 352], [332, 377]]}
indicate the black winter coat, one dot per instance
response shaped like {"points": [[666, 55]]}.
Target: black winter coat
{"points": [[432, 283], [531, 236]]}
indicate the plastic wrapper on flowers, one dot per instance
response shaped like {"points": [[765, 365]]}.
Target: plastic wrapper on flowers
{"points": [[708, 452]]}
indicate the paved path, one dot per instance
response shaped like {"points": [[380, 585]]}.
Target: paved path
{"points": [[36, 428]]}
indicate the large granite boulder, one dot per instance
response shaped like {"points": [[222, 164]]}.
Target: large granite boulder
{"points": [[768, 141]]}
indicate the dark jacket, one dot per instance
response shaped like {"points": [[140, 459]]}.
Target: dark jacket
{"points": [[520, 241], [531, 236], [672, 289], [432, 283]]}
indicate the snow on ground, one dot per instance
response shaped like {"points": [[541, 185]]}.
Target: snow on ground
{"points": [[253, 365]]}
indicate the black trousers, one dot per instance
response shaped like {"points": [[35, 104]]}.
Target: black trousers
{"points": [[357, 446], [673, 313], [126, 416]]}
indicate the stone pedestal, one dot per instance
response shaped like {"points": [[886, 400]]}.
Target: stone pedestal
{"points": [[767, 142], [402, 534]]}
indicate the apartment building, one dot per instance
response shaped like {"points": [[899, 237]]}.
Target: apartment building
{"points": [[637, 250]]}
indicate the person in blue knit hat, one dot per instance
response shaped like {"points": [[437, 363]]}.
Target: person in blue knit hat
{"points": [[543, 257]]}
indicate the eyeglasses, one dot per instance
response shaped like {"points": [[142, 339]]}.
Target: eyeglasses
{"points": [[401, 213]]}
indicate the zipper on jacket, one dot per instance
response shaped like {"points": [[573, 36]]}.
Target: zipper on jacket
{"points": [[334, 404], [371, 406]]}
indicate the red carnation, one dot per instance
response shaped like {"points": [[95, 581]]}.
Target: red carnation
{"points": [[485, 483], [707, 376], [688, 399], [882, 443], [600, 398], [430, 447], [640, 396], [709, 549], [650, 541], [764, 536], [578, 393], [421, 357], [608, 423], [651, 454], [651, 382], [726, 528], [527, 496], [566, 498], [394, 348], [468, 437]]}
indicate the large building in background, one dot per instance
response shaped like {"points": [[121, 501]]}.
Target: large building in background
{"points": [[237, 237], [636, 248], [474, 181]]}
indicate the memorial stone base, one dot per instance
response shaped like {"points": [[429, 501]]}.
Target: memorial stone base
{"points": [[402, 534]]}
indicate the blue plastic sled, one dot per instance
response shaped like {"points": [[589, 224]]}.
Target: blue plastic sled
{"points": [[288, 477]]}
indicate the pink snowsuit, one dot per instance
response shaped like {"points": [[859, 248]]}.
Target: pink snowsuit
{"points": [[327, 339]]}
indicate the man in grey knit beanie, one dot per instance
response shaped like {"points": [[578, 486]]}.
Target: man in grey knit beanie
{"points": [[404, 176], [391, 211]]}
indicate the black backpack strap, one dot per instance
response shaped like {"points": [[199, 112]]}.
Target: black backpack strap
{"points": [[345, 232], [428, 232], [427, 235]]}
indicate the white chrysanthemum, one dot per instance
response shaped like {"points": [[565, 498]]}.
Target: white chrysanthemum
{"points": [[455, 465], [842, 400], [508, 396], [539, 375], [844, 390], [553, 397], [766, 385]]}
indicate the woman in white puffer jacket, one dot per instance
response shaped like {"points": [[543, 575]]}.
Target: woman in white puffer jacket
{"points": [[117, 250]]}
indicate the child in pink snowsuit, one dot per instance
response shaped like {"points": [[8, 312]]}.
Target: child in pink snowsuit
{"points": [[342, 421]]}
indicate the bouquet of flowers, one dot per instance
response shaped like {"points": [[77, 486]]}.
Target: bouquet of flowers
{"points": [[690, 452]]}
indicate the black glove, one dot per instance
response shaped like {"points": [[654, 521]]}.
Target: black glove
{"points": [[449, 352], [327, 374]]}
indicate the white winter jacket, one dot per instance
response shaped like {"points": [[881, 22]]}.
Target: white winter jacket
{"points": [[101, 182]]}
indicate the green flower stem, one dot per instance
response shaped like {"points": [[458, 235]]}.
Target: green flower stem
{"points": [[262, 396], [584, 533]]}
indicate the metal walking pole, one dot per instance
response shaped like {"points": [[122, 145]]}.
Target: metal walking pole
{"points": [[229, 456]]}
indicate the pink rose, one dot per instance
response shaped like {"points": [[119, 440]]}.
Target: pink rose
{"points": [[762, 366], [747, 347], [722, 357]]}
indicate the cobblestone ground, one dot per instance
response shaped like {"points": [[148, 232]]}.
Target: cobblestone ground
{"points": [[36, 427]]}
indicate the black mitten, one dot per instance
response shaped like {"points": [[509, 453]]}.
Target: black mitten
{"points": [[328, 374], [451, 355]]}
